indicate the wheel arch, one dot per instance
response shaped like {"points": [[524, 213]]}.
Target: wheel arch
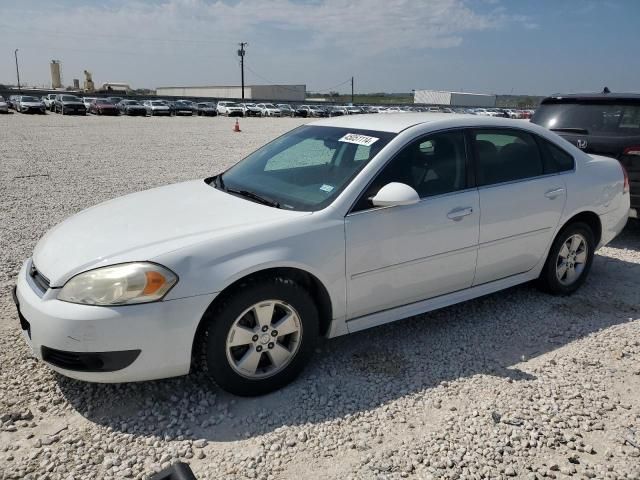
{"points": [[591, 219], [310, 282]]}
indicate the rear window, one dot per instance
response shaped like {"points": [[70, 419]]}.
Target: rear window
{"points": [[612, 119]]}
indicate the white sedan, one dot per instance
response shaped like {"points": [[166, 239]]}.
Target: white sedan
{"points": [[337, 226], [268, 110]]}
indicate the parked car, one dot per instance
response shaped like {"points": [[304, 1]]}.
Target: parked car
{"points": [[132, 108], [87, 101], [303, 239], [335, 111], [286, 110], [394, 110], [28, 104], [157, 107], [311, 111], [12, 101], [206, 109], [66, 104], [513, 113], [268, 110], [353, 110], [184, 107], [250, 110], [4, 107], [49, 100], [599, 123], [102, 106], [230, 109]]}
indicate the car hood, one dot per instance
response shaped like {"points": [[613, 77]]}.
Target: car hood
{"points": [[144, 225], [66, 102], [32, 104]]}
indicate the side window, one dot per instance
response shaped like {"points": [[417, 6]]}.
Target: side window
{"points": [[505, 155], [558, 159], [432, 165]]}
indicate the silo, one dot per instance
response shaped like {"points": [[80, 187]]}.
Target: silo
{"points": [[56, 77]]}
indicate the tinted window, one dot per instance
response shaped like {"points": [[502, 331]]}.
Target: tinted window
{"points": [[557, 160], [592, 117], [505, 155], [432, 165]]}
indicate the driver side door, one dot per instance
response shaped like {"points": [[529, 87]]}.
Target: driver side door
{"points": [[404, 254]]}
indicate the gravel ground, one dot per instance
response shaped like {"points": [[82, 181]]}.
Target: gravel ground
{"points": [[513, 385]]}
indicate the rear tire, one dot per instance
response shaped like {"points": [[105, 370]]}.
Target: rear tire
{"points": [[244, 353], [569, 261]]}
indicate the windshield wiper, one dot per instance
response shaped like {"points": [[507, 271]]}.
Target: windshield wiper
{"points": [[583, 131], [254, 196]]}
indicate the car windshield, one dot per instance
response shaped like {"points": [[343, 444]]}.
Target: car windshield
{"points": [[30, 99], [102, 101], [69, 98], [269, 105], [607, 118], [158, 103], [131, 102], [306, 168]]}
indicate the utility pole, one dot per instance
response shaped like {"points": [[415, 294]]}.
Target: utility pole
{"points": [[17, 70], [351, 90], [241, 54]]}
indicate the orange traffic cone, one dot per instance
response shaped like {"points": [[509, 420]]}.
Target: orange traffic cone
{"points": [[236, 128]]}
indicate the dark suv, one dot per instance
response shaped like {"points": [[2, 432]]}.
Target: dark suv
{"points": [[600, 123]]}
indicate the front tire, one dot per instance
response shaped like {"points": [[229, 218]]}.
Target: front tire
{"points": [[259, 338], [569, 261]]}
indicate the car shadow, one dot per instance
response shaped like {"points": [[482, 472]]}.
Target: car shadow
{"points": [[489, 336]]}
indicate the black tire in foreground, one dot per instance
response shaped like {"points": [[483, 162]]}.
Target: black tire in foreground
{"points": [[569, 261], [239, 345]]}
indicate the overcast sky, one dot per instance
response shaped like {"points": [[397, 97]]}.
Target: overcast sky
{"points": [[488, 46]]}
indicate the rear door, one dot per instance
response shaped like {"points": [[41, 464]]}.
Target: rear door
{"points": [[520, 199]]}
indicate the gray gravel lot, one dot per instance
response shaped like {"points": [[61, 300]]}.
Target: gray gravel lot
{"points": [[513, 385]]}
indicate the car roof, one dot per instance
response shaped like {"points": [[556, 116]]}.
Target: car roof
{"points": [[558, 97], [397, 122]]}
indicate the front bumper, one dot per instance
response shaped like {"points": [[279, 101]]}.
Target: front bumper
{"points": [[109, 344]]}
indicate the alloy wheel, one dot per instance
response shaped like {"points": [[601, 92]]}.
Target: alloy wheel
{"points": [[572, 259], [263, 339]]}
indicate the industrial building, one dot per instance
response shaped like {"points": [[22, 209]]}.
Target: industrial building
{"points": [[454, 99], [287, 93]]}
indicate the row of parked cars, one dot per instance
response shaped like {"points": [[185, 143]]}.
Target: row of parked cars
{"points": [[71, 104]]}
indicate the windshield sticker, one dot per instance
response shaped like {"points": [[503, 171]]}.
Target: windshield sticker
{"points": [[359, 139], [326, 188]]}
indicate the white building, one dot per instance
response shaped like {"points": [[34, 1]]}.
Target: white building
{"points": [[454, 99], [288, 93]]}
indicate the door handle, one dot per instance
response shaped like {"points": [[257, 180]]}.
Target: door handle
{"points": [[458, 213], [554, 193]]}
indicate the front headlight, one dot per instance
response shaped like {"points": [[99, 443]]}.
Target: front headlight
{"points": [[124, 284]]}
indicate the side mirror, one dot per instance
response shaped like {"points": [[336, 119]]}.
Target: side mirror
{"points": [[395, 193]]}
